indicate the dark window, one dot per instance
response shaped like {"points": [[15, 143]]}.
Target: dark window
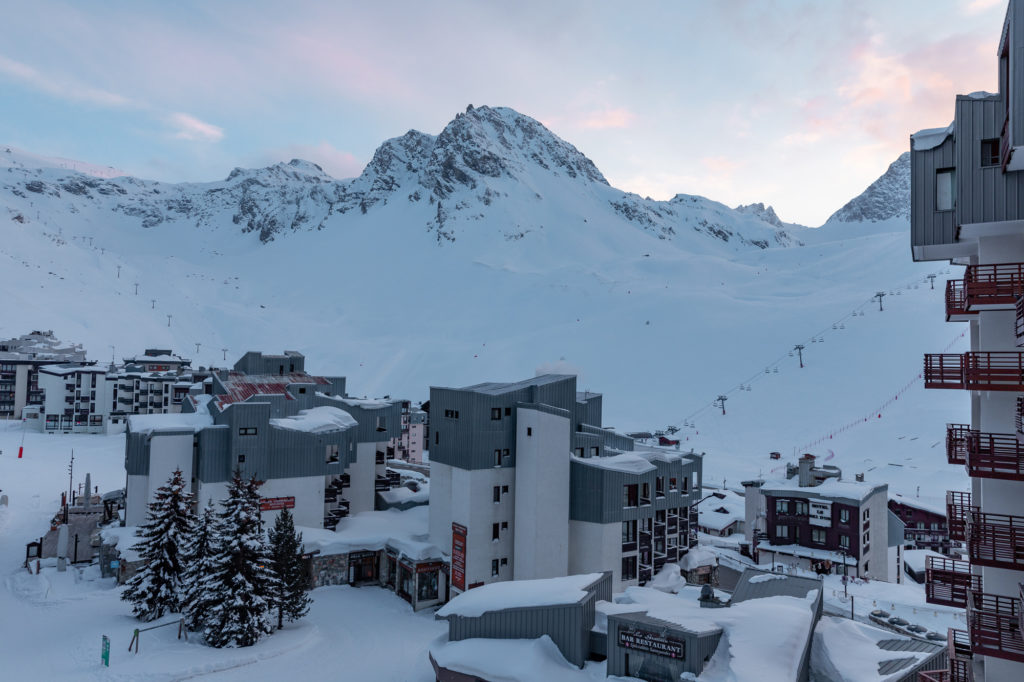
{"points": [[990, 152], [629, 495], [844, 515], [495, 534], [504, 453], [497, 493], [494, 567], [437, 438], [504, 561], [504, 525], [497, 458], [659, 486], [628, 531], [595, 451], [495, 413], [844, 541], [247, 431], [508, 411], [782, 532], [672, 483], [818, 536], [241, 458], [529, 430], [645, 494], [801, 507], [629, 568], [427, 588], [781, 506], [332, 454], [686, 485], [302, 389], [504, 489]]}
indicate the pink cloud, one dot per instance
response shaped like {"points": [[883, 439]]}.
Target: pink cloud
{"points": [[187, 127], [608, 118]]}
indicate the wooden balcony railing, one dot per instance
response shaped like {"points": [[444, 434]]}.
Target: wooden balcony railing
{"points": [[956, 299], [982, 371], [995, 540], [956, 443], [948, 581], [958, 505], [995, 455], [998, 284], [994, 622]]}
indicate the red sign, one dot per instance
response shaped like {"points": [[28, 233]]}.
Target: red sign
{"points": [[426, 568], [275, 503], [667, 441], [459, 533]]}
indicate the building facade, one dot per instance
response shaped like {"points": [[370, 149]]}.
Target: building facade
{"points": [[411, 443], [20, 360], [76, 397], [525, 484], [967, 207], [318, 452], [926, 526]]}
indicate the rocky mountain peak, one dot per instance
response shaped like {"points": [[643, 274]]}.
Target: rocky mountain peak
{"points": [[886, 198], [759, 210]]}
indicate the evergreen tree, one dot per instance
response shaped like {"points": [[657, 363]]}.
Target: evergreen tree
{"points": [[156, 588], [241, 583], [198, 560], [290, 596]]}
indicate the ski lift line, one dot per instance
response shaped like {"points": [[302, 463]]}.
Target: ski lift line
{"points": [[782, 358]]}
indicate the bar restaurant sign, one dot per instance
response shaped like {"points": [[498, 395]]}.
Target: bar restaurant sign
{"points": [[652, 643]]}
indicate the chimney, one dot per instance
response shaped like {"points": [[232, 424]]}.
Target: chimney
{"points": [[806, 464]]}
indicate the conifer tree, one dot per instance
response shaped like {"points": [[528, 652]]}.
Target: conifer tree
{"points": [[290, 596], [156, 588], [241, 583], [198, 559]]}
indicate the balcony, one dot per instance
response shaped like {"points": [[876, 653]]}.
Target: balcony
{"points": [[994, 622], [994, 455], [957, 507], [948, 581], [995, 540], [982, 371], [994, 286], [1018, 324], [956, 443], [956, 301], [1019, 419]]}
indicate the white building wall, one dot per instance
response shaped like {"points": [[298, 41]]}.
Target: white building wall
{"points": [[362, 475], [136, 491], [542, 478], [440, 512], [168, 452], [21, 373], [877, 555], [597, 547], [308, 492], [473, 506], [207, 492]]}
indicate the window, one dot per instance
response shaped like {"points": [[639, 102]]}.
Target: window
{"points": [[504, 561], [508, 411], [451, 414], [495, 413], [801, 508], [247, 431], [495, 531], [629, 495], [867, 537], [672, 485], [595, 451], [865, 567], [628, 531], [241, 458], [332, 454], [659, 486], [302, 389], [844, 541], [935, 526], [818, 536], [629, 568], [437, 438], [865, 515], [504, 525], [990, 152], [529, 430], [945, 189], [781, 506], [380, 424], [505, 453], [645, 494], [844, 516], [497, 458], [427, 586], [494, 567], [686, 485], [497, 494], [782, 532], [504, 489]]}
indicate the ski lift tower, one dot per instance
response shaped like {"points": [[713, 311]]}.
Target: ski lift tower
{"points": [[931, 279], [880, 295], [799, 348], [721, 402]]}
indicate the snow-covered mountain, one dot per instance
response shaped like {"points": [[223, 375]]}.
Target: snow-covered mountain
{"points": [[488, 252]]}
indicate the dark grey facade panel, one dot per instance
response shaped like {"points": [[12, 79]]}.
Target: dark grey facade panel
{"points": [[596, 494], [930, 227], [984, 193], [698, 649]]}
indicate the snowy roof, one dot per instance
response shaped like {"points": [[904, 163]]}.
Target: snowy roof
{"points": [[402, 495], [918, 503], [654, 454], [698, 556], [914, 558], [500, 388], [122, 537], [404, 531], [829, 489], [179, 421], [240, 386], [506, 660], [756, 584], [366, 404], [809, 553], [930, 138], [72, 368], [627, 462], [316, 420], [514, 594], [139, 359], [849, 651], [733, 504]]}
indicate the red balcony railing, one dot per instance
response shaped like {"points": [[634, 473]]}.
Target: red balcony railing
{"points": [[995, 455], [994, 622], [1019, 419], [984, 371], [995, 539], [956, 299], [999, 284], [958, 505], [959, 651], [956, 443], [948, 581]]}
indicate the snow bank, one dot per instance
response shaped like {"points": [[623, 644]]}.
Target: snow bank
{"points": [[357, 402], [914, 558], [626, 463], [930, 138], [122, 537], [698, 556], [403, 495], [847, 651], [405, 531], [669, 579], [507, 660], [765, 577], [519, 593], [316, 420]]}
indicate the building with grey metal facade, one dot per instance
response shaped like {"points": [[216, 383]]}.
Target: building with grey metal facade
{"points": [[525, 483], [318, 451]]}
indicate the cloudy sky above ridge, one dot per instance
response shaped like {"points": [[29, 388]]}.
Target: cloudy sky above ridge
{"points": [[796, 104]]}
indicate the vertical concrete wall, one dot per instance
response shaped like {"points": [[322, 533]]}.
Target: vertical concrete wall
{"points": [[597, 547]]}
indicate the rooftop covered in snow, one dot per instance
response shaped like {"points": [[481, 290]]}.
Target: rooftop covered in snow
{"points": [[514, 594], [830, 489], [316, 420]]}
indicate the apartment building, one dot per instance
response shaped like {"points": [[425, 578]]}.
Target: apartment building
{"points": [[155, 382], [412, 441], [318, 452], [77, 397], [20, 360], [926, 526], [525, 484], [967, 192]]}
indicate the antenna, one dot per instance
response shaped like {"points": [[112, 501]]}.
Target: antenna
{"points": [[799, 348]]}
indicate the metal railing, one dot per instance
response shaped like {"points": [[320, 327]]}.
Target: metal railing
{"points": [[994, 455], [957, 507], [994, 622], [956, 299], [949, 581], [956, 443], [985, 371], [995, 540], [998, 284]]}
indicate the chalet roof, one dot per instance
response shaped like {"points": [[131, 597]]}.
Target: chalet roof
{"points": [[240, 387]]}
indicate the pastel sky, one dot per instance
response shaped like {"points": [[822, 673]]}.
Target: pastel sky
{"points": [[796, 104]]}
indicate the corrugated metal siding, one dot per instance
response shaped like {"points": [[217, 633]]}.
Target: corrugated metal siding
{"points": [[984, 194], [928, 226], [596, 493], [568, 626]]}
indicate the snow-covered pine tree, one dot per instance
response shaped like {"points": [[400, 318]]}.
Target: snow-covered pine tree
{"points": [[199, 561], [290, 596], [241, 583], [156, 588]]}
